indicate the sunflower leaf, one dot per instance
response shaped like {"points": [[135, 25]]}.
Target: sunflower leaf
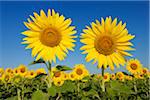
{"points": [[37, 62], [63, 68]]}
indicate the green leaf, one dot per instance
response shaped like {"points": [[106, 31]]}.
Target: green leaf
{"points": [[39, 95], [63, 68], [37, 62], [52, 91], [12, 98], [40, 76]]}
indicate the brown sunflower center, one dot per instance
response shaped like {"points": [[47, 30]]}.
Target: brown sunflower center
{"points": [[22, 70], [31, 73], [50, 37], [105, 45], [144, 71], [79, 71], [72, 76], [105, 76], [57, 74], [134, 66]]}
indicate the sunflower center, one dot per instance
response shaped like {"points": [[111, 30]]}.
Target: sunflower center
{"points": [[50, 37], [57, 74], [31, 73], [104, 45], [22, 70], [79, 71], [105, 77], [134, 66], [144, 71], [72, 76]]}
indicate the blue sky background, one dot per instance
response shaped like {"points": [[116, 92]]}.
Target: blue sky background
{"points": [[12, 53]]}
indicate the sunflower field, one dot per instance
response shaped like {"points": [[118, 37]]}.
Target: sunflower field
{"points": [[106, 42]]}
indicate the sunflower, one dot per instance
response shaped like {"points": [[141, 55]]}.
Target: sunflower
{"points": [[128, 77], [72, 76], [16, 71], [106, 77], [58, 82], [58, 75], [80, 71], [112, 76], [30, 74], [49, 36], [40, 71], [66, 76], [120, 76], [22, 70], [139, 76], [144, 71], [134, 66], [1, 72], [6, 77], [106, 43], [8, 70]]}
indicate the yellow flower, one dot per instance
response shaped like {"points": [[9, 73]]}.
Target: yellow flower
{"points": [[106, 42], [80, 71], [113, 77], [139, 76], [6, 77], [30, 74], [106, 77], [144, 71], [22, 69], [128, 77], [134, 66], [58, 82], [1, 72], [16, 71], [58, 75], [49, 36], [120, 76], [72, 76], [8, 70], [40, 71], [66, 76]]}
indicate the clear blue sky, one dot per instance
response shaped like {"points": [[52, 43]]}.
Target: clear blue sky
{"points": [[12, 52]]}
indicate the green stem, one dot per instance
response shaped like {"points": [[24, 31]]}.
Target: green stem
{"points": [[18, 94], [78, 88], [135, 88], [103, 83], [49, 74]]}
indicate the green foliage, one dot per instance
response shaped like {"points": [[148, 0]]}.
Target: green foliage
{"points": [[87, 89]]}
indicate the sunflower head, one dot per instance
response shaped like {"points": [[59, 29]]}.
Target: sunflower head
{"points": [[106, 42], [72, 76], [49, 36], [58, 75], [144, 71], [6, 77], [40, 71], [30, 74], [113, 76], [22, 69], [134, 66], [8, 70], [16, 71], [80, 71], [128, 77], [120, 76], [1, 72], [58, 82], [106, 77]]}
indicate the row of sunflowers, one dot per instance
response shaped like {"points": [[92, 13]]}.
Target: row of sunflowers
{"points": [[21, 83], [106, 43]]}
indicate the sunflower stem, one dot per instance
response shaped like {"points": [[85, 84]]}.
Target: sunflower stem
{"points": [[49, 74], [103, 83], [18, 94]]}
